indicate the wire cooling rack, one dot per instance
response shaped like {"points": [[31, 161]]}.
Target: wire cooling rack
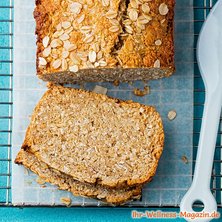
{"points": [[6, 62], [201, 10]]}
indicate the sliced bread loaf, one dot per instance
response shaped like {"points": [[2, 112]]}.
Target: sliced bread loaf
{"points": [[94, 138], [104, 40], [65, 182]]}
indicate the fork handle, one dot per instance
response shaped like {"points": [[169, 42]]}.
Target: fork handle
{"points": [[200, 188]]}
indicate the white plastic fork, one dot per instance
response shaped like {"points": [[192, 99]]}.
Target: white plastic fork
{"points": [[209, 56]]}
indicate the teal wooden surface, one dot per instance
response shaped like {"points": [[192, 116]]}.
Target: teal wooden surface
{"points": [[78, 215], [71, 214]]}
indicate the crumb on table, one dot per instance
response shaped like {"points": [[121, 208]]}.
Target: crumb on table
{"points": [[184, 159], [66, 200], [139, 92]]}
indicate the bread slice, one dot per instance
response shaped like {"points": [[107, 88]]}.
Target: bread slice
{"points": [[65, 182], [94, 138], [104, 40]]}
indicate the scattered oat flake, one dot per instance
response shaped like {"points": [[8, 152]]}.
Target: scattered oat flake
{"points": [[141, 110], [162, 21], [171, 114], [75, 7], [64, 37], [92, 56], [66, 25], [148, 17], [157, 64], [59, 27], [69, 30], [74, 68], [133, 14], [64, 64], [42, 61], [184, 159], [99, 55], [114, 22], [119, 60], [142, 20], [54, 56], [66, 200], [102, 63], [95, 47], [45, 41], [74, 58], [46, 52], [65, 54], [71, 47], [111, 14], [85, 29], [96, 64], [129, 29], [58, 33], [139, 92], [89, 65], [145, 8], [66, 44], [88, 39], [114, 29], [163, 9], [139, 28], [158, 42], [40, 181], [55, 43], [127, 22], [100, 90], [57, 63], [81, 18]]}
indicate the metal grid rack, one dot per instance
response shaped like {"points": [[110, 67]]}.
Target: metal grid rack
{"points": [[201, 10], [6, 63]]}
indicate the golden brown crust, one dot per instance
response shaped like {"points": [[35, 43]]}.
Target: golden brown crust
{"points": [[65, 182], [149, 46], [153, 151]]}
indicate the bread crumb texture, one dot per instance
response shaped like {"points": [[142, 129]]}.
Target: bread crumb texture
{"points": [[80, 35], [94, 138], [65, 182]]}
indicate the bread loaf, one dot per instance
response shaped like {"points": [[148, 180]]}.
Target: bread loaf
{"points": [[64, 182], [104, 40], [94, 138]]}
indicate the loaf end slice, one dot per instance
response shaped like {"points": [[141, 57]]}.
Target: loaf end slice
{"points": [[65, 182], [120, 40], [94, 138]]}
